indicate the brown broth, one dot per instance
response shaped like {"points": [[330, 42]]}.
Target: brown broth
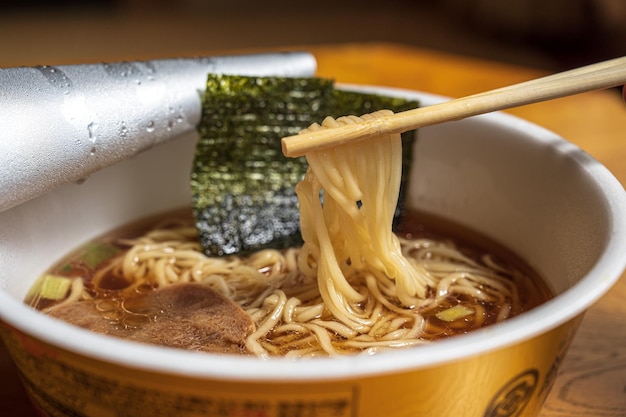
{"points": [[118, 299], [96, 254], [533, 290]]}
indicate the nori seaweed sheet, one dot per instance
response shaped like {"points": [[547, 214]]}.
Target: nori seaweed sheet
{"points": [[243, 196]]}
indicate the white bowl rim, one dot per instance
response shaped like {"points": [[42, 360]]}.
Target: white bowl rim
{"points": [[563, 308]]}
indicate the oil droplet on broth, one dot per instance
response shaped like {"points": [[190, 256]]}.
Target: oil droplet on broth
{"points": [[113, 315], [135, 321], [107, 305]]}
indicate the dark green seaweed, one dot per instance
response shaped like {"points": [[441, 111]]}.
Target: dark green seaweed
{"points": [[243, 196]]}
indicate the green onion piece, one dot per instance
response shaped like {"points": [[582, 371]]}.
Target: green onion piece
{"points": [[459, 311], [97, 253], [55, 287], [34, 292]]}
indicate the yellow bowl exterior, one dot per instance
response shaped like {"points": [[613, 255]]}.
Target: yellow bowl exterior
{"points": [[509, 382]]}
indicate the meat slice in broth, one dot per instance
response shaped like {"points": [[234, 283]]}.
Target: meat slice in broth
{"points": [[188, 316]]}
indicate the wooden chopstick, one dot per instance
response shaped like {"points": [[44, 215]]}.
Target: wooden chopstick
{"points": [[606, 74]]}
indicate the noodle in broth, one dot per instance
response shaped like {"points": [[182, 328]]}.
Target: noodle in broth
{"points": [[286, 305]]}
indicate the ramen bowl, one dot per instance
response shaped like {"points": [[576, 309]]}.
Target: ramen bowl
{"points": [[517, 183]]}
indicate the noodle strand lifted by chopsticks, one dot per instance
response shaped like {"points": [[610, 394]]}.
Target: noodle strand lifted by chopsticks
{"points": [[347, 202]]}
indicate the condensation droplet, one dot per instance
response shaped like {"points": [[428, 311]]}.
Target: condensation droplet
{"points": [[92, 131], [170, 125], [123, 130], [56, 78], [150, 127]]}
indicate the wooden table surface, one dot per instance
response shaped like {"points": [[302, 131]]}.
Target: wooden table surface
{"points": [[592, 380]]}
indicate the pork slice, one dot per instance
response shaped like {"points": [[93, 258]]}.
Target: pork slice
{"points": [[186, 316]]}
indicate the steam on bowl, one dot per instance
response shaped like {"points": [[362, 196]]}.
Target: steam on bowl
{"points": [[525, 187]]}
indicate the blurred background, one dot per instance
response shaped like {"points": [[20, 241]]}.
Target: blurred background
{"points": [[547, 34]]}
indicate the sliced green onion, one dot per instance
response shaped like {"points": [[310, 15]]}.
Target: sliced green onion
{"points": [[35, 292], [97, 253], [55, 287], [459, 311]]}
